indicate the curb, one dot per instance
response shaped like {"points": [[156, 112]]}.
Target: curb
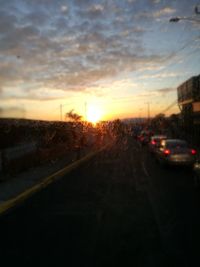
{"points": [[11, 203]]}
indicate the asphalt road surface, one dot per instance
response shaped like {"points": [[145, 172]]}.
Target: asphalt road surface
{"points": [[119, 209]]}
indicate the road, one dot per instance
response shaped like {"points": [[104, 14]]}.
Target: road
{"points": [[119, 209]]}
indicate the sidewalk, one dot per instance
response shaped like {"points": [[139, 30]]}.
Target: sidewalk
{"points": [[19, 187]]}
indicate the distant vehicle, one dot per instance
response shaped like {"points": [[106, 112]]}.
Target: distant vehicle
{"points": [[144, 137], [136, 132], [176, 152], [155, 142]]}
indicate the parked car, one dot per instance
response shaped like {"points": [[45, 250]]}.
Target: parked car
{"points": [[176, 152], [155, 142]]}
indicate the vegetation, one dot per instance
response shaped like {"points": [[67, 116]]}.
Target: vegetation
{"points": [[73, 116]]}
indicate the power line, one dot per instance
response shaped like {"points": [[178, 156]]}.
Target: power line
{"points": [[170, 106]]}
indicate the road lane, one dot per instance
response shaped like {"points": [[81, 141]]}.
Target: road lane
{"points": [[98, 215], [176, 203], [119, 209]]}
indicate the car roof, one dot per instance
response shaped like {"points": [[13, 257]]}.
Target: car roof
{"points": [[158, 136], [174, 141]]}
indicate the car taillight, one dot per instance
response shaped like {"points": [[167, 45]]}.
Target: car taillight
{"points": [[167, 152], [193, 152], [153, 142]]}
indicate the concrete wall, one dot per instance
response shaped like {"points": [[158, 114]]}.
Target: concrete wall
{"points": [[19, 151]]}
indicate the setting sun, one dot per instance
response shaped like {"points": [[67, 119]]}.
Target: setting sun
{"points": [[93, 114]]}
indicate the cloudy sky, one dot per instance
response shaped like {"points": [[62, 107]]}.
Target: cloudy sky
{"points": [[115, 56]]}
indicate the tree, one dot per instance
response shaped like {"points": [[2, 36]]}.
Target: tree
{"points": [[159, 122], [73, 116]]}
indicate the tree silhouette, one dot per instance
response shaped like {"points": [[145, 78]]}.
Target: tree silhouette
{"points": [[73, 116]]}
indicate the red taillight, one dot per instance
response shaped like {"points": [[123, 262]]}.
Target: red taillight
{"points": [[167, 152], [193, 152], [153, 142]]}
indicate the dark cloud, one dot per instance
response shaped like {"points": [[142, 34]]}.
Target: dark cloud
{"points": [[38, 18], [61, 24], [7, 22], [8, 72], [155, 1], [87, 58], [166, 90], [71, 45], [94, 11], [81, 3], [156, 93], [18, 37]]}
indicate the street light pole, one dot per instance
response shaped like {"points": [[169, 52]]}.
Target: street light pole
{"points": [[148, 110], [176, 19], [193, 19], [61, 112], [139, 115]]}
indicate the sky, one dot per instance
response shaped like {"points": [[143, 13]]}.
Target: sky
{"points": [[115, 57]]}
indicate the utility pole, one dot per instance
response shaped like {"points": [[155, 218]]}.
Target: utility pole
{"points": [[61, 112], [192, 19], [148, 110], [139, 115], [86, 111]]}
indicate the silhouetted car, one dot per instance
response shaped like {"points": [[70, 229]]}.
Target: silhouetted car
{"points": [[176, 152], [144, 137], [155, 142]]}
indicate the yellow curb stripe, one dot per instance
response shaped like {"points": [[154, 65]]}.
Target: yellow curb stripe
{"points": [[5, 206]]}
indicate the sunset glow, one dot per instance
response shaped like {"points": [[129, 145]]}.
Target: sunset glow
{"points": [[121, 54], [93, 114]]}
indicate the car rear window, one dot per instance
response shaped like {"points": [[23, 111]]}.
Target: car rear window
{"points": [[177, 145]]}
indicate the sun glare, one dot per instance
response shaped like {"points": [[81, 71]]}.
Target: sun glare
{"points": [[93, 114]]}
